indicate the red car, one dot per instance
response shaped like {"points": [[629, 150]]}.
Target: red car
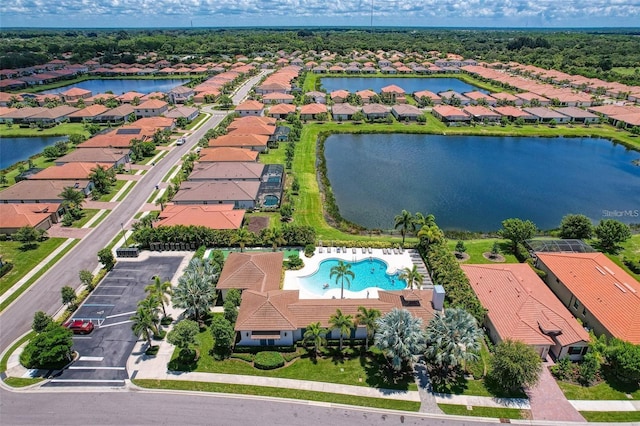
{"points": [[79, 326]]}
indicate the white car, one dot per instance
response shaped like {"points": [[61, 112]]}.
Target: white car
{"points": [[180, 141]]}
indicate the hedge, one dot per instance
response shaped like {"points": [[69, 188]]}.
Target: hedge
{"points": [[255, 349], [6, 268], [268, 360]]}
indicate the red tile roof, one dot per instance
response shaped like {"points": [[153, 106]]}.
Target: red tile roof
{"points": [[69, 171], [239, 140], [227, 154], [250, 106], [222, 216], [312, 109], [252, 271], [19, 215]]}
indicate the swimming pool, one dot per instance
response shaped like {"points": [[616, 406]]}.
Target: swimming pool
{"points": [[270, 201], [369, 273]]}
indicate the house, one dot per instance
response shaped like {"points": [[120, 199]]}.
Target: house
{"points": [[451, 97], [42, 191], [51, 116], [423, 95], [513, 113], [394, 93], [20, 115], [151, 108], [366, 95], [236, 171], [311, 111], [69, 171], [239, 140], [546, 115], [597, 291], [130, 97], [180, 94], [190, 113], [507, 99], [115, 156], [521, 307], [343, 111], [116, 115], [278, 98], [450, 114], [242, 195], [227, 154], [317, 97], [406, 112], [89, 113], [40, 216], [578, 115], [375, 111], [74, 94], [480, 113], [222, 216], [281, 111], [339, 96], [529, 98], [480, 98], [250, 108]]}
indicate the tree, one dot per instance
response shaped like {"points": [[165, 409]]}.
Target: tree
{"points": [[460, 247], [234, 296], [243, 236], [76, 138], [624, 360], [223, 336], [610, 233], [274, 236], [183, 335], [41, 321], [86, 278], [452, 339], [405, 222], [495, 250], [102, 179], [367, 318], [576, 226], [342, 323], [28, 236], [517, 230], [230, 311], [342, 272], [161, 290], [225, 101], [286, 212], [106, 258], [316, 336], [152, 305], [72, 200], [399, 336], [68, 296], [3, 179], [49, 348], [515, 365], [143, 324], [411, 276], [195, 292]]}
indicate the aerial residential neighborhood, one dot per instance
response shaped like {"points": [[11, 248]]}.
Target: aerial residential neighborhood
{"points": [[405, 229]]}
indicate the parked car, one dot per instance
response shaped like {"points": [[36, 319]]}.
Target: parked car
{"points": [[180, 141], [79, 326]]}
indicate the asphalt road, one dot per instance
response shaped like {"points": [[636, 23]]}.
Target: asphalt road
{"points": [[44, 294], [161, 408]]}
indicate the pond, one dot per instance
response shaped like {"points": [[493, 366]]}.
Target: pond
{"points": [[120, 86], [13, 150], [475, 182], [409, 84]]}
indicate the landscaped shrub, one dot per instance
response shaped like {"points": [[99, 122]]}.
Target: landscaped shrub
{"points": [[255, 349], [152, 351], [309, 249], [160, 335], [200, 252], [522, 254], [632, 264], [6, 267], [244, 357], [288, 357], [268, 360]]}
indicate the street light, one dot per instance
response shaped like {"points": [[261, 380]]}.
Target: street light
{"points": [[124, 234]]}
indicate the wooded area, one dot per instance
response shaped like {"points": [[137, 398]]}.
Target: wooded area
{"points": [[609, 54]]}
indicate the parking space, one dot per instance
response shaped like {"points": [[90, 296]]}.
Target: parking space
{"points": [[103, 353]]}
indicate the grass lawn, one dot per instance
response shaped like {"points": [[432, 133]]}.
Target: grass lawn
{"points": [[476, 247], [500, 413], [601, 391], [114, 190], [170, 172], [275, 155], [196, 121], [12, 349], [611, 416], [24, 261], [279, 393], [87, 214], [626, 70], [630, 248], [63, 129], [19, 382], [126, 191], [356, 370], [41, 162]]}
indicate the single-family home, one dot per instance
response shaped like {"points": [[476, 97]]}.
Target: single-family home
{"points": [[343, 112], [180, 94], [42, 191], [481, 113], [546, 115], [250, 108], [74, 94], [450, 114], [311, 111], [238, 140], [404, 112], [89, 113], [339, 96], [281, 111], [513, 113], [190, 113], [426, 97], [38, 215], [366, 95], [533, 99], [242, 195], [451, 97], [220, 216], [116, 115], [317, 97], [395, 93], [69, 171], [151, 108], [375, 111], [51, 116], [578, 115], [278, 98], [236, 171], [480, 98], [227, 154], [115, 156]]}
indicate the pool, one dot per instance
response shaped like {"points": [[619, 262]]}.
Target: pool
{"points": [[369, 273], [270, 201], [273, 179]]}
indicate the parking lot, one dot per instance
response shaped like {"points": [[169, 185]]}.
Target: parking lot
{"points": [[103, 353]]}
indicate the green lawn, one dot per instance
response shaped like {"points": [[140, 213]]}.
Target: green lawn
{"points": [[114, 190], [356, 370], [630, 248], [476, 247], [602, 391], [126, 191], [196, 121], [24, 261], [63, 129], [19, 382], [626, 70], [12, 349], [87, 215], [499, 413], [279, 393], [40, 162], [611, 416]]}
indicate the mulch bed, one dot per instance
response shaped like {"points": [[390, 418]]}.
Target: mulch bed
{"points": [[498, 258]]}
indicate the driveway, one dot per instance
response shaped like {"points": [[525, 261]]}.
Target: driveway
{"points": [[103, 354], [549, 403]]}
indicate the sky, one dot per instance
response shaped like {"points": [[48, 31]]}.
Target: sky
{"points": [[307, 13]]}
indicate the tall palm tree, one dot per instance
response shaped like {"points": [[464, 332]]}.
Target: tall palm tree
{"points": [[102, 179], [71, 199], [316, 335], [143, 324], [243, 236], [274, 236], [342, 323], [411, 276], [405, 222], [368, 318], [421, 220], [430, 234], [343, 273], [151, 304], [161, 290], [452, 339], [195, 292], [399, 336]]}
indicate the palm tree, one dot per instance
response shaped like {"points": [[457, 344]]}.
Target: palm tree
{"points": [[71, 199], [161, 291], [368, 318], [411, 276], [274, 236], [195, 292], [102, 179], [452, 339], [151, 304], [342, 323], [242, 237], [343, 273], [421, 220], [143, 324], [430, 234], [316, 335], [399, 336], [405, 222]]}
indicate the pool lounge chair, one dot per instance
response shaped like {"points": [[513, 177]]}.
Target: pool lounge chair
{"points": [[344, 249], [400, 250], [328, 249], [353, 250], [319, 249], [395, 251], [364, 250], [370, 251], [337, 249]]}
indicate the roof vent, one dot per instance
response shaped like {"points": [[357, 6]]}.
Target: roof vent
{"points": [[631, 289], [600, 270], [620, 287], [608, 270]]}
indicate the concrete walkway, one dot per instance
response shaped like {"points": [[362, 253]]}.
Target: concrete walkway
{"points": [[428, 403], [549, 403]]}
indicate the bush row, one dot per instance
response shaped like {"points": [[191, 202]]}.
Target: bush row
{"points": [[5, 268]]}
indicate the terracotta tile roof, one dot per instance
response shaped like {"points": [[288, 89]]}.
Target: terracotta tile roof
{"points": [[339, 94], [69, 171], [90, 111], [227, 154], [605, 289], [266, 311], [76, 92], [19, 215], [94, 155], [375, 109], [393, 89], [151, 104], [477, 95], [312, 109], [130, 96], [278, 96], [252, 271], [543, 112], [250, 106], [216, 191], [480, 111], [154, 122], [41, 190], [258, 129], [449, 111], [239, 140], [221, 216], [521, 307], [227, 171], [576, 112], [252, 120], [426, 94], [511, 111], [282, 109], [504, 96]]}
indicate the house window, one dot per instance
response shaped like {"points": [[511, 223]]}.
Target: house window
{"points": [[575, 304], [584, 350], [584, 312], [575, 350]]}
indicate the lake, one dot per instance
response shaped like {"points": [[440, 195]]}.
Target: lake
{"points": [[120, 86], [409, 84], [13, 150], [473, 182]]}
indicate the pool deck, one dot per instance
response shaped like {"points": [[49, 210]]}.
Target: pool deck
{"points": [[395, 262]]}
